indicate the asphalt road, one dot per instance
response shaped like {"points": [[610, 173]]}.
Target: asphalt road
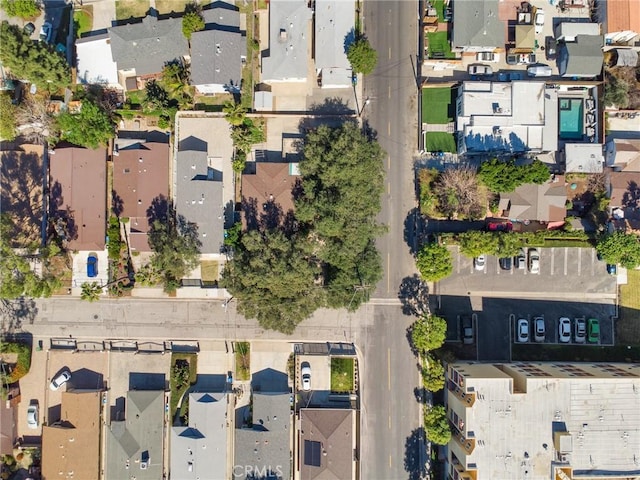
{"points": [[391, 415]]}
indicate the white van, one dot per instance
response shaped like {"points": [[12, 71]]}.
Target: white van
{"points": [[539, 71]]}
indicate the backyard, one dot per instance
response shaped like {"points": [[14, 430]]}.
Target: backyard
{"points": [[628, 325], [437, 105], [184, 373], [440, 142], [83, 20], [342, 374], [125, 9], [438, 45]]}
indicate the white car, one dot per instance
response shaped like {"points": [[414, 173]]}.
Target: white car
{"points": [[45, 32], [488, 57], [523, 330], [538, 329], [479, 262], [539, 20], [32, 416], [60, 380], [305, 373], [480, 70], [564, 330], [534, 261]]}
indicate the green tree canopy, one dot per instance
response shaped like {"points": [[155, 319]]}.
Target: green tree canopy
{"points": [[234, 112], [502, 177], [273, 279], [616, 91], [620, 248], [362, 56], [436, 424], [433, 374], [91, 127], [192, 22], [474, 243], [428, 333], [25, 9], [342, 181], [91, 291], [434, 262], [32, 61], [7, 118]]}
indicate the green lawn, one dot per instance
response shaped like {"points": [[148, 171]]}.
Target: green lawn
{"points": [[439, 6], [83, 19], [243, 360], [342, 374], [168, 6], [628, 326], [439, 46], [440, 142], [126, 9], [437, 105]]}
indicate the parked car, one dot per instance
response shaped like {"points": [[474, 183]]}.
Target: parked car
{"points": [[505, 263], [521, 58], [580, 334], [305, 373], [564, 330], [45, 32], [500, 227], [466, 325], [612, 269], [520, 260], [593, 330], [32, 416], [523, 330], [92, 265], [538, 329], [539, 71], [534, 261], [488, 57], [480, 262], [550, 46], [28, 29], [60, 380], [448, 14], [539, 20], [478, 69]]}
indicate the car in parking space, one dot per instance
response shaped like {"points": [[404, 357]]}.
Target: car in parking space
{"points": [[539, 70], [479, 262], [479, 69], [45, 32], [488, 57], [538, 329], [500, 226], [523, 330], [550, 46], [534, 261], [305, 374], [32, 416], [466, 325], [92, 265], [60, 380], [28, 29], [505, 263], [612, 269], [564, 330], [521, 58], [539, 20], [593, 330], [448, 14], [580, 333], [520, 260]]}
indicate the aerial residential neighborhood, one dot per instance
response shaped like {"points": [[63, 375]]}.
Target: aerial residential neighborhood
{"points": [[333, 239]]}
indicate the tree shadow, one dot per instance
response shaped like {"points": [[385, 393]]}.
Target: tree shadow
{"points": [[369, 131], [334, 106], [631, 198], [16, 313], [62, 225], [412, 224], [117, 203], [421, 394], [250, 211], [271, 215], [412, 458], [158, 210], [414, 296]]}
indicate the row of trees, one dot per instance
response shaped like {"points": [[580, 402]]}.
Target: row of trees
{"points": [[24, 9], [245, 132]]}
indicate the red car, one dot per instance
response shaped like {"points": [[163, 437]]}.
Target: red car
{"points": [[500, 227]]}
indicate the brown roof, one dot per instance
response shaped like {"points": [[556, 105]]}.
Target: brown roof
{"points": [[623, 15], [21, 180], [627, 154], [140, 174], [625, 190], [272, 183], [327, 443], [74, 445], [544, 203], [79, 184]]}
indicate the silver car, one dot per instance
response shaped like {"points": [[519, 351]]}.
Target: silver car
{"points": [[538, 329], [534, 261], [580, 335], [480, 69], [564, 330], [523, 330], [60, 380], [305, 373], [32, 416]]}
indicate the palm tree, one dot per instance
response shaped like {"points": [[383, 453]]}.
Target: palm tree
{"points": [[91, 291], [234, 113]]}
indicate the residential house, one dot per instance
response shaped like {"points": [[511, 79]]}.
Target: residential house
{"points": [[219, 51], [543, 420], [199, 450], [622, 23], [94, 62], [78, 194], [287, 58], [530, 202], [134, 446], [583, 158], [624, 195], [334, 32], [21, 193], [71, 446], [267, 194], [8, 427], [327, 442], [140, 180], [493, 118], [579, 50], [263, 451], [476, 26], [142, 49], [199, 197], [623, 154]]}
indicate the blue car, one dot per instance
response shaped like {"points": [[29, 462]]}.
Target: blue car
{"points": [[92, 265]]}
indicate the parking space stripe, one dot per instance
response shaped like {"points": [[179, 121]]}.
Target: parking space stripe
{"points": [[579, 261], [553, 258], [593, 262], [566, 259]]}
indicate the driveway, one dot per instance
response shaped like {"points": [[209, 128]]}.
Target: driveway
{"points": [[104, 13], [80, 269]]}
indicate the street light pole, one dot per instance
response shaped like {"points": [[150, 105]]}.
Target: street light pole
{"points": [[367, 101]]}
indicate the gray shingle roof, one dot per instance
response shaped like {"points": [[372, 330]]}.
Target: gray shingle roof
{"points": [[582, 58], [216, 57], [199, 198], [476, 23], [335, 20], [149, 45]]}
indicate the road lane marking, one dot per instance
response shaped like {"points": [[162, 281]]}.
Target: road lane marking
{"points": [[389, 91], [389, 53], [593, 261], [389, 422], [389, 188], [389, 128], [566, 259], [389, 161], [389, 461], [389, 369], [388, 276]]}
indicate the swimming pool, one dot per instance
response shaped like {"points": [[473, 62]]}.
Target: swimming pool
{"points": [[571, 118]]}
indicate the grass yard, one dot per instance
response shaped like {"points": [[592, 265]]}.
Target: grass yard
{"points": [[83, 20], [209, 270], [184, 373], [437, 105], [342, 374], [243, 360], [439, 46], [439, 6], [440, 142], [125, 9], [628, 325], [168, 6]]}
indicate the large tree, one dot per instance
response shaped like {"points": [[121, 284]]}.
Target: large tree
{"points": [[474, 243], [434, 262], [505, 176], [192, 22], [273, 279], [460, 195], [428, 333], [620, 248], [32, 61], [91, 127], [432, 374], [25, 9], [362, 56], [436, 424], [342, 181]]}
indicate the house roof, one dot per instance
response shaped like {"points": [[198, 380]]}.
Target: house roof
{"points": [[79, 184], [199, 197], [266, 446], [544, 203], [623, 15], [327, 442], [626, 154], [216, 57], [584, 157], [626, 57], [74, 444], [568, 31], [21, 194], [289, 34], [271, 183], [477, 24], [584, 57], [146, 46], [200, 449], [8, 430], [135, 445], [140, 175], [334, 32], [94, 61], [625, 190]]}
